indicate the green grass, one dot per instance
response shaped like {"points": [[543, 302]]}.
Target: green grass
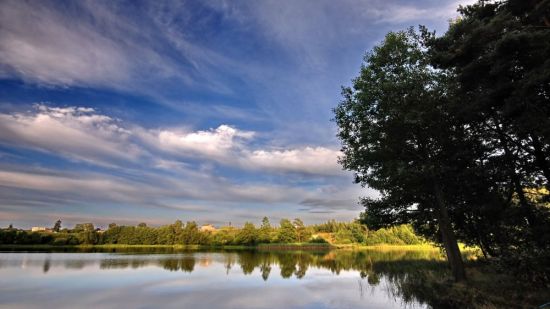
{"points": [[486, 287], [295, 246], [387, 247], [469, 253]]}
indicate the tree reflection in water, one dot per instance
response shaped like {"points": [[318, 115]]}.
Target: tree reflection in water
{"points": [[405, 271], [403, 274]]}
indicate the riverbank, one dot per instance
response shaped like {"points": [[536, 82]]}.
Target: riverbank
{"points": [[426, 246], [290, 246], [119, 246], [269, 246], [488, 286]]}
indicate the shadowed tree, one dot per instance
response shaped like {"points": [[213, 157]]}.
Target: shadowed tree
{"points": [[398, 138], [499, 52], [57, 226]]}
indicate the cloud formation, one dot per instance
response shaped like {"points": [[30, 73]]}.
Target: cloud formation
{"points": [[83, 134], [106, 46], [39, 44], [213, 143], [151, 167], [75, 132], [311, 160]]}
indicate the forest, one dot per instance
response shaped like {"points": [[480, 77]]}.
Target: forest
{"points": [[189, 233]]}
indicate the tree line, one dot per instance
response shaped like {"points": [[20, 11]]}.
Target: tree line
{"points": [[454, 132], [189, 233]]}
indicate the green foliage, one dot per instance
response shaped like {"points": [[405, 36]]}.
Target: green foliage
{"points": [[455, 133], [189, 234], [331, 226], [225, 236], [498, 52], [303, 234], [399, 138], [344, 232], [81, 227], [396, 235], [318, 240], [248, 235], [20, 237], [265, 231], [287, 232]]}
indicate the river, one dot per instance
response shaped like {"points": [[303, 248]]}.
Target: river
{"points": [[215, 279]]}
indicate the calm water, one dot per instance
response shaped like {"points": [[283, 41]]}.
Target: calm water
{"points": [[242, 279]]}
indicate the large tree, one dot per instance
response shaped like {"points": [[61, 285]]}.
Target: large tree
{"points": [[286, 232], [499, 52], [398, 137], [248, 235]]}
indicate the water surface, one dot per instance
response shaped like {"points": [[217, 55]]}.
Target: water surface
{"points": [[239, 279]]}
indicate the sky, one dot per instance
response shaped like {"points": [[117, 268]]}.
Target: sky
{"points": [[213, 111]]}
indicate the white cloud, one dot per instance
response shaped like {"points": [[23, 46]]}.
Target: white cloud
{"points": [[399, 13], [214, 143], [88, 43], [228, 146], [82, 133], [41, 45], [77, 133], [312, 160], [150, 190]]}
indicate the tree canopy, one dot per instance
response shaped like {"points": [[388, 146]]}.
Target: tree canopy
{"points": [[453, 131]]}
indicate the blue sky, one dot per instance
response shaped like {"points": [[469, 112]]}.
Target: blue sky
{"points": [[215, 111]]}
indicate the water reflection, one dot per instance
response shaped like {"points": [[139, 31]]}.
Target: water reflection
{"points": [[395, 276]]}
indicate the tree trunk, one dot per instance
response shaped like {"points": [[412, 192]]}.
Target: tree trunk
{"points": [[540, 159], [449, 240], [512, 161], [509, 156]]}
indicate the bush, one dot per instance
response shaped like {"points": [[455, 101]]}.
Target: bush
{"points": [[396, 235], [318, 240]]}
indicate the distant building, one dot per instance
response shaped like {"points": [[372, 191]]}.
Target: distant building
{"points": [[207, 228], [40, 229]]}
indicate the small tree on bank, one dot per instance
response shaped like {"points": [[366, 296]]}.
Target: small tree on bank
{"points": [[265, 230], [287, 232], [57, 226], [248, 235], [302, 232]]}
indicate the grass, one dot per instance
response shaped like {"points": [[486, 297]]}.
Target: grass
{"points": [[295, 246], [487, 287], [387, 247], [470, 253]]}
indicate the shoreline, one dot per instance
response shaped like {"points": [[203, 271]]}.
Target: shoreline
{"points": [[260, 247]]}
